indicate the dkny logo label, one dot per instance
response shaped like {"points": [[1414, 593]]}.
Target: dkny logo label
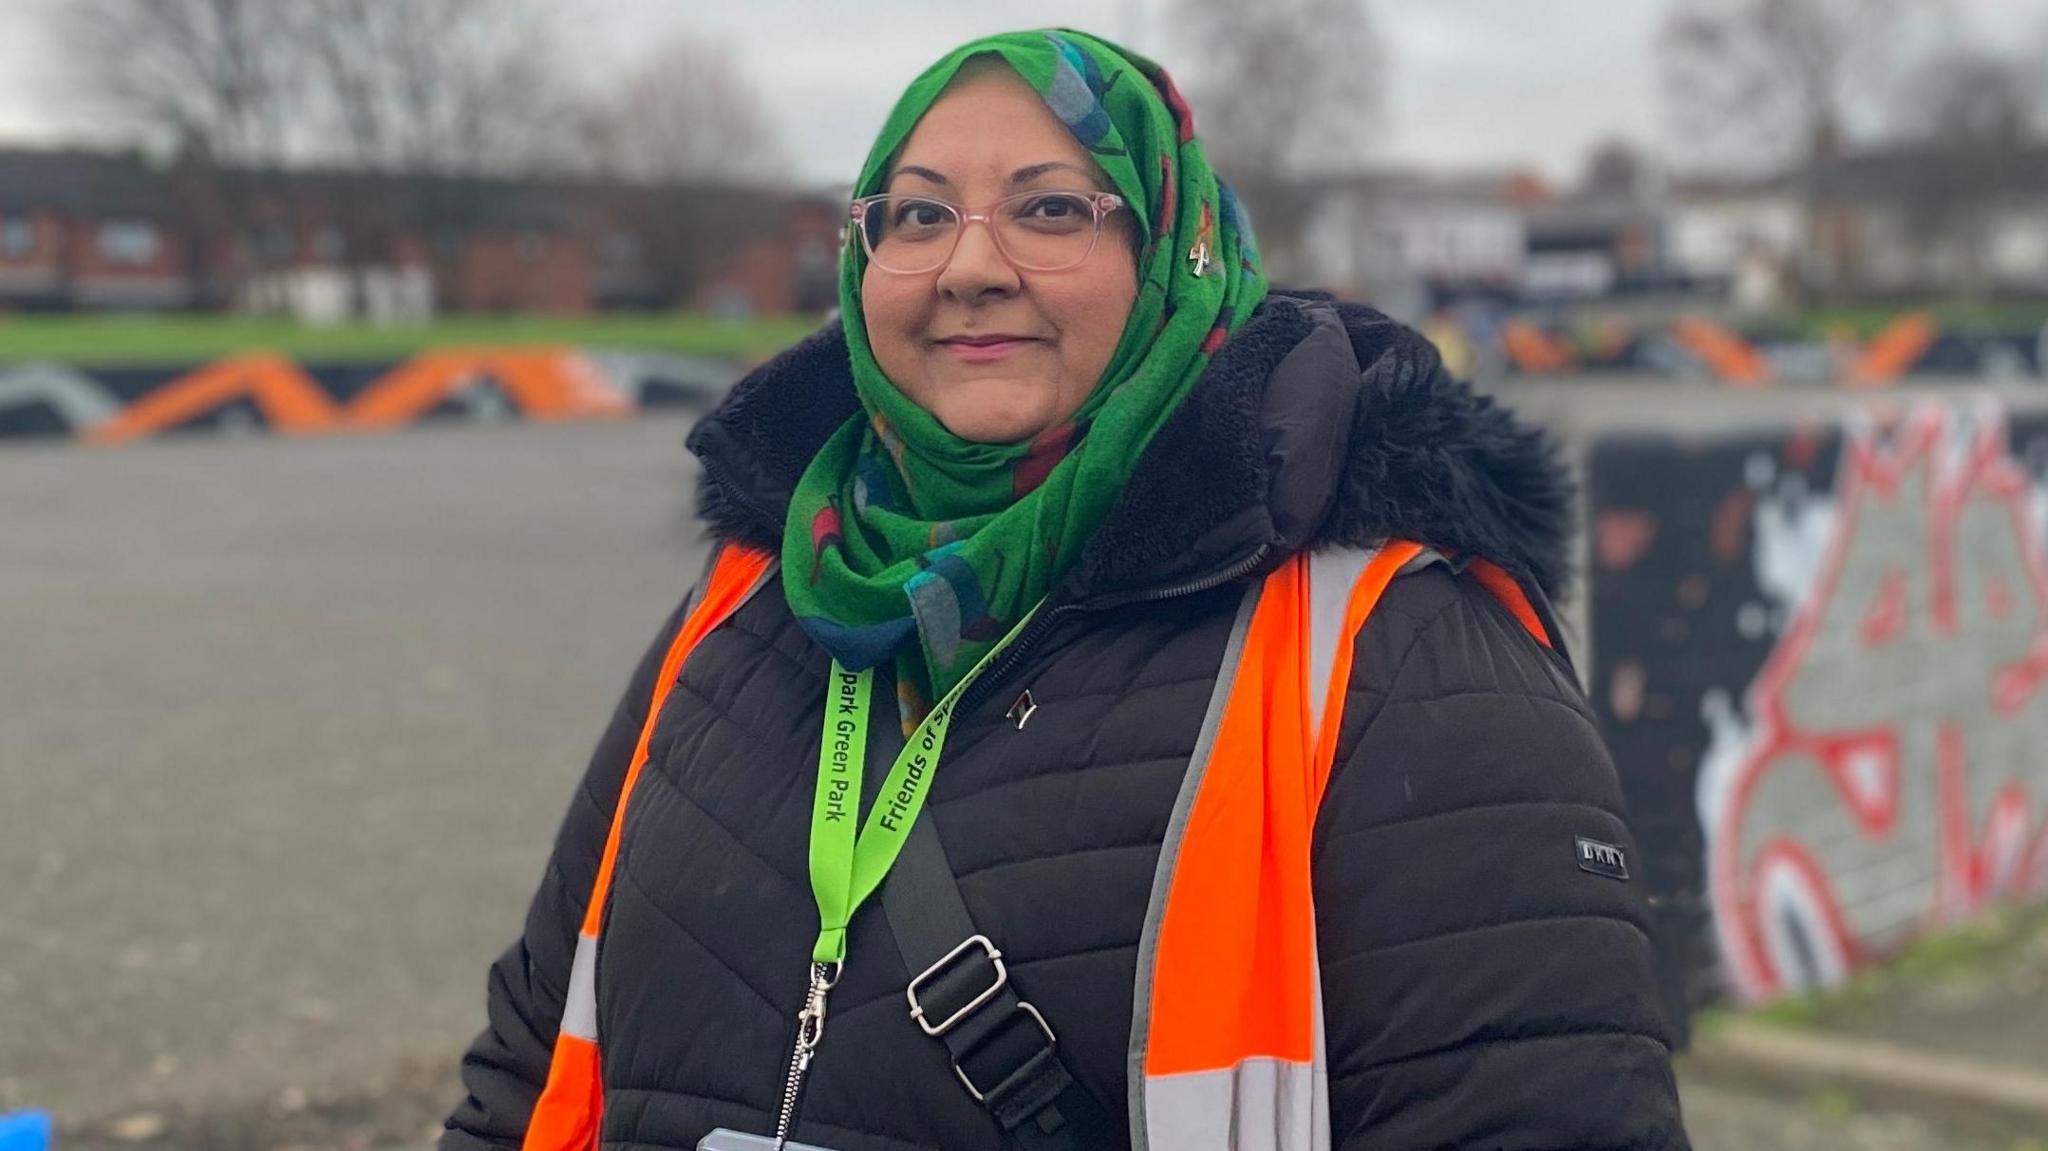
{"points": [[1601, 858]]}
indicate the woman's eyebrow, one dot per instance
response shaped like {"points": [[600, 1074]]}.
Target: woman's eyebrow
{"points": [[914, 170], [1022, 175], [1032, 172]]}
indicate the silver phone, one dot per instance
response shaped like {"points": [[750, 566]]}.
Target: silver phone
{"points": [[728, 1140]]}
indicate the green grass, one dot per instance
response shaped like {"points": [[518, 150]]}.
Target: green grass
{"points": [[179, 339], [1966, 953], [1953, 317], [1835, 1107], [113, 340]]}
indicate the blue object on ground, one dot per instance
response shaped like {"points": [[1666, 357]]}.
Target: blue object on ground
{"points": [[27, 1131]]}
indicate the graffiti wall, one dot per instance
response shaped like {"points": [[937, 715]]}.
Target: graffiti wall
{"points": [[268, 392], [1819, 657], [1696, 347]]}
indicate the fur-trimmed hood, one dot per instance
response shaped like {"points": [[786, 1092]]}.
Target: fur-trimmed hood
{"points": [[1318, 423]]}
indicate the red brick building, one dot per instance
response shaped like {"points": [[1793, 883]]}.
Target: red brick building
{"points": [[85, 230], [80, 231], [792, 269]]}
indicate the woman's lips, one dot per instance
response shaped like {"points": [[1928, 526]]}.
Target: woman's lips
{"points": [[981, 351]]}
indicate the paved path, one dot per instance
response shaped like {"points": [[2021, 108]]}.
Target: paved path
{"points": [[285, 728]]}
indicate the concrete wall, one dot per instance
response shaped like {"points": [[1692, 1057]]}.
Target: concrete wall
{"points": [[1816, 634], [268, 392]]}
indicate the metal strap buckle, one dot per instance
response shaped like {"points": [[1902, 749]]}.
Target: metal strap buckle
{"points": [[1051, 1041], [995, 957]]}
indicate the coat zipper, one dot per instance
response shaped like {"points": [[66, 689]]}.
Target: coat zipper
{"points": [[735, 493], [810, 1031], [810, 1019]]}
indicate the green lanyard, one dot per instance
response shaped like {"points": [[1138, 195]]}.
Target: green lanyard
{"points": [[846, 869]]}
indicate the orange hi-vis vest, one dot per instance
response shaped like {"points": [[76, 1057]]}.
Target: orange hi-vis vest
{"points": [[1227, 1025]]}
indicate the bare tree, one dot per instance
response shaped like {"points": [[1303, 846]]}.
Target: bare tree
{"points": [[688, 113], [1776, 86], [210, 81], [1967, 119], [425, 96], [2039, 70], [1969, 96], [1614, 168], [208, 76], [433, 86], [392, 85], [687, 125], [1286, 92], [376, 119]]}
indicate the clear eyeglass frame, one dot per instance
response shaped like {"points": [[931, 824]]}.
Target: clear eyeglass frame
{"points": [[1100, 205]]}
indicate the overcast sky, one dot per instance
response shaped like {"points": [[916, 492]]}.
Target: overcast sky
{"points": [[1472, 83]]}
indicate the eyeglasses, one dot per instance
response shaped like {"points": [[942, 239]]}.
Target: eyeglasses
{"points": [[1035, 231]]}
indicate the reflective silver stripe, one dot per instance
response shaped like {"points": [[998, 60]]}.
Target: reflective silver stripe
{"points": [[1423, 559], [579, 1014], [1258, 1105], [1169, 854], [703, 584], [1319, 1097], [579, 1011], [1332, 577], [1261, 1103]]}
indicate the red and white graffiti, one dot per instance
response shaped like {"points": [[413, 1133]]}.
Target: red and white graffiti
{"points": [[1892, 771]]}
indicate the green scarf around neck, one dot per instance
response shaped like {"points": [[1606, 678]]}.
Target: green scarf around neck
{"points": [[900, 529]]}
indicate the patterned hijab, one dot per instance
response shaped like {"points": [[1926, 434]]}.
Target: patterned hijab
{"points": [[901, 530]]}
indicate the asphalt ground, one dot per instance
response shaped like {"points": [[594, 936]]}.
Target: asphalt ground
{"points": [[285, 731]]}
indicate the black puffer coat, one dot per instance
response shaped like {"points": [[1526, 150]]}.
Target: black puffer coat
{"points": [[1480, 989]]}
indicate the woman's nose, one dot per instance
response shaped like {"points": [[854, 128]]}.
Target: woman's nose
{"points": [[978, 265]]}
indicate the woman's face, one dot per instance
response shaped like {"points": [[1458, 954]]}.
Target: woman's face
{"points": [[991, 136]]}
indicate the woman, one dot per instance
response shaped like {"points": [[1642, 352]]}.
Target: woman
{"points": [[1062, 494]]}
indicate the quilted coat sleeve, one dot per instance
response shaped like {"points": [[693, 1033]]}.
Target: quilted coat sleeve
{"points": [[1481, 989], [506, 1067]]}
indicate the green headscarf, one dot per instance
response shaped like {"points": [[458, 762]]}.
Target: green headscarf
{"points": [[900, 528]]}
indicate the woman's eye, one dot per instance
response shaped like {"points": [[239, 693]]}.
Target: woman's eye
{"points": [[1053, 207], [920, 215]]}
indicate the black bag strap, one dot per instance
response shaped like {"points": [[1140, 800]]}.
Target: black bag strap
{"points": [[960, 993]]}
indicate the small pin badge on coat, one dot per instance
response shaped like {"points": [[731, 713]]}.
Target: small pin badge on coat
{"points": [[1601, 858], [1020, 712]]}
